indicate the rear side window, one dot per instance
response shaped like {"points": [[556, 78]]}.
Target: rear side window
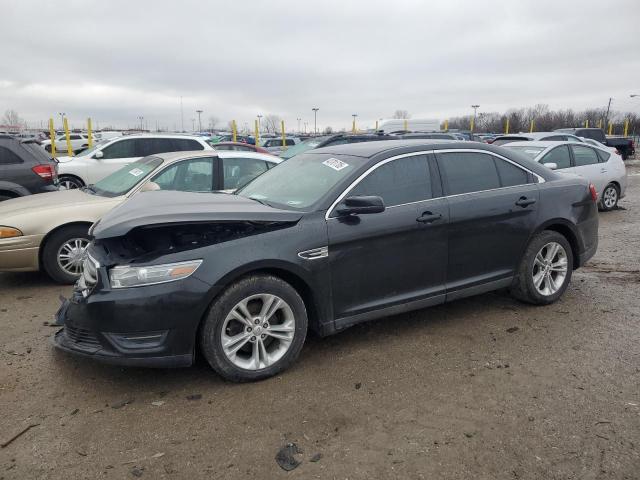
{"points": [[584, 155], [120, 149], [604, 156], [185, 145], [555, 138], [467, 172], [400, 181], [152, 146], [7, 157], [509, 174], [559, 155]]}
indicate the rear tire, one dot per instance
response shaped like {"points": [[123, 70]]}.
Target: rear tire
{"points": [[63, 253], [68, 182], [264, 341], [545, 269], [610, 197]]}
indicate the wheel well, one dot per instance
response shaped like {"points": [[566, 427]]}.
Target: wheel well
{"points": [[46, 238], [72, 176], [8, 193], [571, 238]]}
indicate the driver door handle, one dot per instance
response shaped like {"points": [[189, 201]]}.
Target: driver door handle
{"points": [[525, 202], [429, 217]]}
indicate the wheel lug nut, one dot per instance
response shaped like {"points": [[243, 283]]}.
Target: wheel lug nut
{"points": [[266, 325], [249, 329], [263, 336], [253, 338], [257, 322]]}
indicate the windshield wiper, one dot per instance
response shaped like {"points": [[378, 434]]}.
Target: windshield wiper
{"points": [[261, 201]]}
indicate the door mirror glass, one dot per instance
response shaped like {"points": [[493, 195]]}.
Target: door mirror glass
{"points": [[551, 165], [98, 154], [361, 205]]}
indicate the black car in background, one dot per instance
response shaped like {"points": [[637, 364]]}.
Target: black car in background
{"points": [[323, 241], [25, 168], [624, 145]]}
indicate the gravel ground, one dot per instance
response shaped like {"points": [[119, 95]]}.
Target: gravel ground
{"points": [[483, 388]]}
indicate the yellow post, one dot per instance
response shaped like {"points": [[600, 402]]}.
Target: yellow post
{"points": [[600, 123], [376, 125], [66, 134], [52, 134], [406, 124], [626, 127], [234, 130], [353, 126], [257, 134], [89, 133], [586, 124], [506, 126], [610, 128], [446, 125], [471, 124], [531, 126], [284, 143]]}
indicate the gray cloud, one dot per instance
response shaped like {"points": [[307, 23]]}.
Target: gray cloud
{"points": [[117, 60]]}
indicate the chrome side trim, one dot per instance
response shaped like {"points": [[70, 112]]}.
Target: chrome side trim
{"points": [[314, 253]]}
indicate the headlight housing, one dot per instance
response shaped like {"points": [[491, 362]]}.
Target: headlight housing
{"points": [[9, 232], [129, 276]]}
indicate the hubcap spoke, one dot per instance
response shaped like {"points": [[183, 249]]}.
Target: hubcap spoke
{"points": [[550, 267]]}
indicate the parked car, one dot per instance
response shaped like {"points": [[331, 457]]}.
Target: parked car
{"points": [[50, 230], [337, 139], [624, 145], [274, 145], [79, 141], [106, 157], [595, 143], [24, 169], [534, 136], [325, 240], [238, 147], [603, 168]]}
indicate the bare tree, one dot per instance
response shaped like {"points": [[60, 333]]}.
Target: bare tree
{"points": [[230, 126], [213, 121], [12, 118], [271, 123], [328, 130], [401, 114]]}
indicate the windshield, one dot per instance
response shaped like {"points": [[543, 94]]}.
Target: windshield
{"points": [[95, 147], [302, 147], [300, 182], [123, 180], [531, 152]]}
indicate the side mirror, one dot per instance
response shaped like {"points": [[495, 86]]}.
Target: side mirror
{"points": [[98, 154], [150, 187], [551, 165], [361, 205]]}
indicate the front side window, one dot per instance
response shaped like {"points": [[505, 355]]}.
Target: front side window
{"points": [[193, 175], [467, 172], [559, 155], [584, 155], [400, 181], [120, 149], [240, 171], [509, 174]]}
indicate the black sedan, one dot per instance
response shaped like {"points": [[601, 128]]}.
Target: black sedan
{"points": [[323, 241]]}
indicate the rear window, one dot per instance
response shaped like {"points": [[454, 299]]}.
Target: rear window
{"points": [[504, 141], [36, 151], [531, 152], [186, 145]]}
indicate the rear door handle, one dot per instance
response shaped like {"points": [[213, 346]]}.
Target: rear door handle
{"points": [[603, 170], [429, 217], [525, 202]]}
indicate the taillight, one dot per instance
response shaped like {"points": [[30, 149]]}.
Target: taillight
{"points": [[48, 172], [594, 192]]}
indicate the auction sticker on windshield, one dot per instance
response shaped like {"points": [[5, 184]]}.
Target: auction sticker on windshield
{"points": [[136, 172], [336, 164]]}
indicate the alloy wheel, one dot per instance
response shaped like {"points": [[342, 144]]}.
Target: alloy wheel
{"points": [[550, 268], [258, 331], [610, 197], [68, 184], [71, 254]]}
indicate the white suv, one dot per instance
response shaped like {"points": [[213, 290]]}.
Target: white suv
{"points": [[104, 158], [79, 141]]}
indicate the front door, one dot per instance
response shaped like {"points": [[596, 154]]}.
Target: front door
{"points": [[492, 214], [390, 258], [114, 157]]}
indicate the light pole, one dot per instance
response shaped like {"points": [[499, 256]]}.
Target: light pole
{"points": [[353, 128], [299, 124], [315, 120], [141, 118], [475, 111], [62, 114], [199, 112], [193, 124], [181, 116], [259, 117]]}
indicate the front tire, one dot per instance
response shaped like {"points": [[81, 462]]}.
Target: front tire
{"points": [[610, 196], [545, 270], [64, 252], [255, 329], [68, 182]]}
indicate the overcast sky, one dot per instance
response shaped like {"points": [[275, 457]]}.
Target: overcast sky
{"points": [[117, 60]]}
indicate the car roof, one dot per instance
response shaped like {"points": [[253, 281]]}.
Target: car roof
{"points": [[171, 157], [370, 149], [549, 144]]}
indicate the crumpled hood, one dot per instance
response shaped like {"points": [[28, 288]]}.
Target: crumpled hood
{"points": [[166, 207]]}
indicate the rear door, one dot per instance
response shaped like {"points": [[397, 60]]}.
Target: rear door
{"points": [[388, 259], [493, 207], [587, 164]]}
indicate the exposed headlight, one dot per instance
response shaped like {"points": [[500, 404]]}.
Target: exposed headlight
{"points": [[127, 276], [8, 232]]}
